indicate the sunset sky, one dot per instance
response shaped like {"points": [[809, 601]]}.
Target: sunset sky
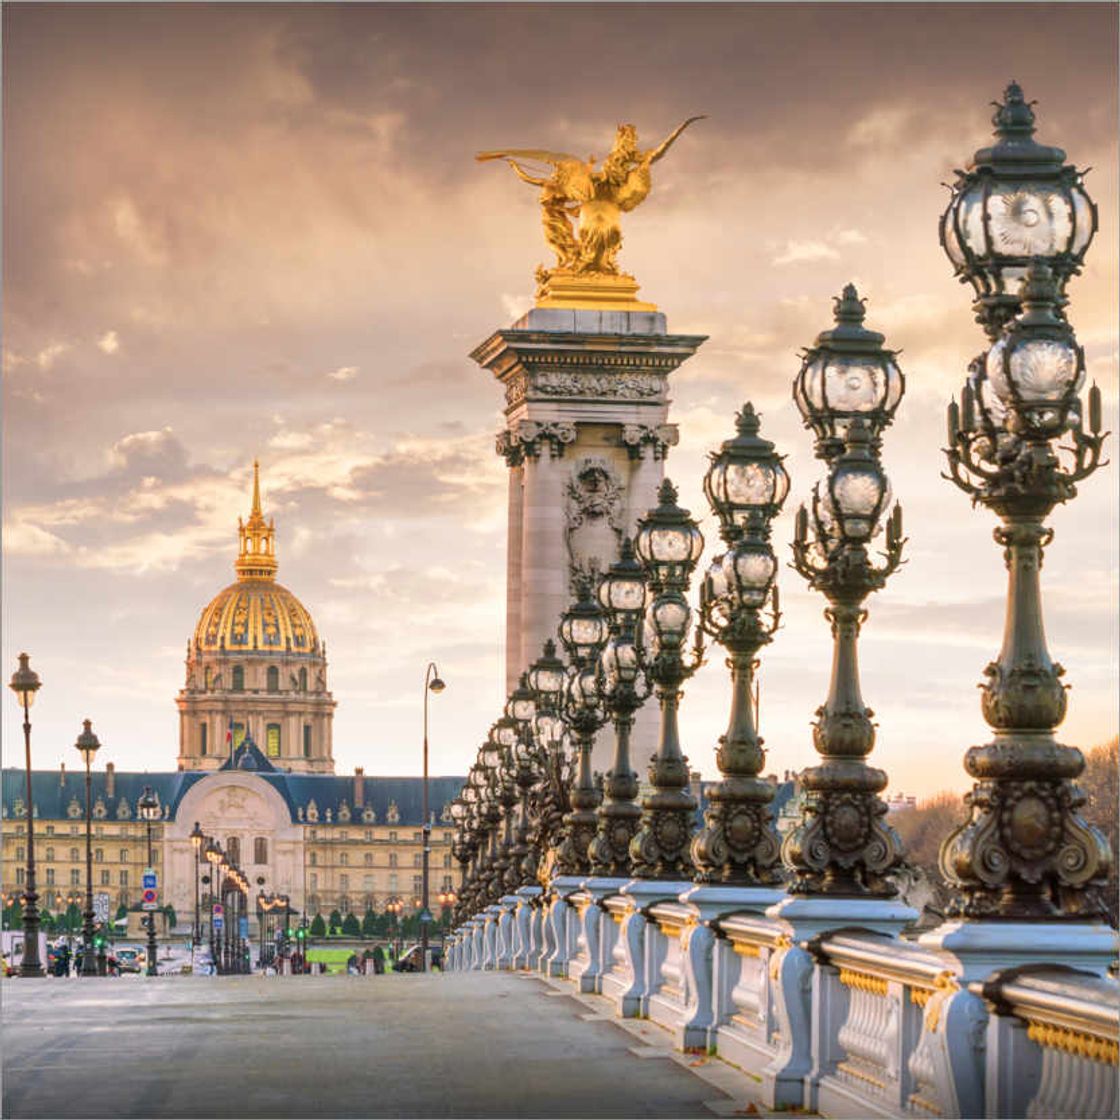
{"points": [[258, 230]]}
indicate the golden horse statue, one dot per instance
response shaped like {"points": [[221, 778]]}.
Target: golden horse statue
{"points": [[596, 198]]}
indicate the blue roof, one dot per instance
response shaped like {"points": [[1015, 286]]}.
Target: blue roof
{"points": [[54, 792]]}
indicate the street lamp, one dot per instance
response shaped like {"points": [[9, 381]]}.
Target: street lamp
{"points": [[147, 807], [213, 854], [432, 683], [622, 595], [1019, 203], [583, 630], [1025, 852], [669, 543], [197, 836], [746, 485], [547, 678], [25, 683], [87, 745], [842, 845], [395, 906]]}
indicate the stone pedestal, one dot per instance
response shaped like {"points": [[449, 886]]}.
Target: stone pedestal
{"points": [[585, 439]]}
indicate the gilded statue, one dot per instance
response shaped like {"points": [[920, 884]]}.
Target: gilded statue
{"points": [[582, 205]]}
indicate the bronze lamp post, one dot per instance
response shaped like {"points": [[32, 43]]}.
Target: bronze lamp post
{"points": [[25, 683]]}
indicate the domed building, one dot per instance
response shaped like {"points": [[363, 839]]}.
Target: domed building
{"points": [[256, 667]]}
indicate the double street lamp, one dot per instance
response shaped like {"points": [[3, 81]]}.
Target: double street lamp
{"points": [[432, 683], [25, 683]]}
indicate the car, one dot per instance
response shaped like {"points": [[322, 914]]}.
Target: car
{"points": [[129, 960], [410, 959]]}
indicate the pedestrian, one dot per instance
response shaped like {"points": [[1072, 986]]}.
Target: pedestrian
{"points": [[378, 961]]}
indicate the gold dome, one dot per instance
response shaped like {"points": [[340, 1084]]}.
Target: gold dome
{"points": [[256, 613]]}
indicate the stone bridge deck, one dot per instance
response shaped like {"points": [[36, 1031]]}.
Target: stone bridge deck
{"points": [[469, 1044]]}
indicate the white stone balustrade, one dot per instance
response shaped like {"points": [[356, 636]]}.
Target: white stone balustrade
{"points": [[848, 1021]]}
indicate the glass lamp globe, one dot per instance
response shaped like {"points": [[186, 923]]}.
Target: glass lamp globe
{"points": [[749, 569], [1035, 369], [147, 806], [746, 480], [547, 677], [521, 705], [846, 375], [622, 590], [25, 682], [583, 626], [667, 619], [855, 493], [619, 661], [668, 541], [549, 727], [583, 690], [1018, 202], [87, 742]]}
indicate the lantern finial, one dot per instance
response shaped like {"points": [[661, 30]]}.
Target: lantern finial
{"points": [[1014, 118], [747, 421]]}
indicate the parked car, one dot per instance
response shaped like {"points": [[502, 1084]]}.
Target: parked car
{"points": [[130, 960]]}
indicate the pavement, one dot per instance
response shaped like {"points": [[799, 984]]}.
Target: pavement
{"points": [[398, 1045]]}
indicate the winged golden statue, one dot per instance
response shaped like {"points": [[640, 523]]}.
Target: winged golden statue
{"points": [[582, 206]]}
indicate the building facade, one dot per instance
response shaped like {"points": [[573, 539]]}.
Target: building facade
{"points": [[255, 772]]}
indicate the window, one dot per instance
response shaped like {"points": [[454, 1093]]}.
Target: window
{"points": [[20, 853], [233, 849], [393, 883], [50, 854], [105, 878], [417, 837], [313, 859], [75, 877], [303, 680], [343, 858], [368, 859], [446, 859], [74, 853], [447, 882], [392, 859], [202, 735], [273, 679], [367, 883], [416, 859], [344, 905], [239, 678], [124, 878], [124, 855], [417, 884], [344, 882], [50, 876], [272, 740], [98, 831], [392, 837], [98, 855], [260, 850], [447, 837], [307, 740], [208, 684], [369, 833], [314, 880], [19, 876], [344, 835], [50, 830]]}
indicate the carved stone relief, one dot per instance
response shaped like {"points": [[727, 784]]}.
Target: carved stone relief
{"points": [[593, 510]]}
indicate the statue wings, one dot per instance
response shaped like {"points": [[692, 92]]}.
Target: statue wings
{"points": [[571, 174]]}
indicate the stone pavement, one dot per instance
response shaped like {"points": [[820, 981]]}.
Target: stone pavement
{"points": [[463, 1044]]}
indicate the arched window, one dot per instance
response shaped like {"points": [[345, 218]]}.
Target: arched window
{"points": [[303, 680], [233, 849], [239, 678], [273, 679], [208, 678], [202, 738], [260, 850], [272, 740], [307, 740]]}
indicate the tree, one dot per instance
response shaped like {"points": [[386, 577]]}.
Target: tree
{"points": [[922, 829], [1099, 782], [318, 926], [122, 912], [369, 923], [335, 921], [351, 926], [172, 917]]}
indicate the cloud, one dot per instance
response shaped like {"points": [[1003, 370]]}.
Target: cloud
{"points": [[803, 252], [109, 343], [45, 359], [157, 454], [343, 373]]}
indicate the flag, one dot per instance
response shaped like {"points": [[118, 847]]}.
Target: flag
{"points": [[229, 735]]}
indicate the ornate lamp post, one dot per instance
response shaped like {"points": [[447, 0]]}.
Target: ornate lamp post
{"points": [[547, 677], [1019, 202], [213, 854], [196, 837], [842, 845], [148, 810], [87, 745], [1025, 852], [25, 683], [669, 544], [583, 632], [432, 683], [746, 486], [622, 595]]}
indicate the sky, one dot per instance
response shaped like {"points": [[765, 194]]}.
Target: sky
{"points": [[237, 231]]}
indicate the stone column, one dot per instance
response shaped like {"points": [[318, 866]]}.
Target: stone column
{"points": [[585, 437]]}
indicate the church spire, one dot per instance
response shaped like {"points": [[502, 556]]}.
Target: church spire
{"points": [[256, 558]]}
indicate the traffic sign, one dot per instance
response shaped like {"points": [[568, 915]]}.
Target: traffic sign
{"points": [[219, 921], [426, 915], [148, 899], [101, 907], [149, 879], [218, 910]]}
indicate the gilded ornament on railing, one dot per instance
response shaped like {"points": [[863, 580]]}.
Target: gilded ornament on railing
{"points": [[581, 211]]}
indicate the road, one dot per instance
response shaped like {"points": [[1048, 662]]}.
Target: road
{"points": [[465, 1044]]}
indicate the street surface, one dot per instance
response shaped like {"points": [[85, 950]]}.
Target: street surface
{"points": [[464, 1044]]}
